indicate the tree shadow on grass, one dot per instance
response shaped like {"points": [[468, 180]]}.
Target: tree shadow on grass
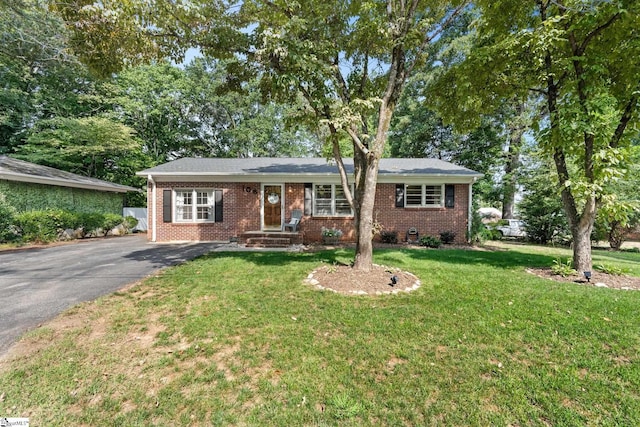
{"points": [[506, 259], [267, 258]]}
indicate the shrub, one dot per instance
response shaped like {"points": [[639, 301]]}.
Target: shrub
{"points": [[68, 220], [430, 242], [129, 223], [110, 221], [8, 231], [40, 226], [541, 208], [447, 237], [91, 221], [563, 269], [389, 236], [331, 232], [477, 232], [610, 269]]}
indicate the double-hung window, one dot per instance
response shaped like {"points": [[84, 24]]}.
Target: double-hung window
{"points": [[429, 196], [330, 200], [194, 205]]}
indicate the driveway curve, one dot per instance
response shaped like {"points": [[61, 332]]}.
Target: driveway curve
{"points": [[39, 283]]}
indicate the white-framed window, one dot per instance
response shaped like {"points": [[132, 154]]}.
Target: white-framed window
{"points": [[423, 195], [194, 205], [330, 200]]}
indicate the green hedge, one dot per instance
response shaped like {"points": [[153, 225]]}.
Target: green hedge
{"points": [[48, 225], [24, 197], [7, 220]]}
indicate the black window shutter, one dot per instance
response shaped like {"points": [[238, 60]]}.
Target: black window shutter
{"points": [[399, 195], [218, 205], [166, 205], [308, 198], [449, 195]]}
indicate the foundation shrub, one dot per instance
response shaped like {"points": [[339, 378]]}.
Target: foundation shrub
{"points": [[389, 236], [430, 242], [447, 237]]}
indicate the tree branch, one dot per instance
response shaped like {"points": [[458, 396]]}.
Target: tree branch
{"points": [[342, 84], [357, 141], [597, 31], [624, 120], [429, 38]]}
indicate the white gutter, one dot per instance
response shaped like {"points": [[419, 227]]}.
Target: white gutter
{"points": [[154, 222]]}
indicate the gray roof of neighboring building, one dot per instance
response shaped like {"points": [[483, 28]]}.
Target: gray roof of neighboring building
{"points": [[18, 170], [302, 166]]}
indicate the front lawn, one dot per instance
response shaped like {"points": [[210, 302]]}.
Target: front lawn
{"points": [[236, 339]]}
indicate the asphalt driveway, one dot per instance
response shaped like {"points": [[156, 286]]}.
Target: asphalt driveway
{"points": [[38, 284]]}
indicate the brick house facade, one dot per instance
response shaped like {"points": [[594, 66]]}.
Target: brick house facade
{"points": [[221, 199]]}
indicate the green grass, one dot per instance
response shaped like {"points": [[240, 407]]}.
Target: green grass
{"points": [[237, 339]]}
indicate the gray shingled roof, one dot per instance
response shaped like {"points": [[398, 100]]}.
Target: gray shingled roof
{"points": [[301, 166], [18, 170]]}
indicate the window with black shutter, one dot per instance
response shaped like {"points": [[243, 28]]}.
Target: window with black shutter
{"points": [[449, 196], [399, 195], [166, 205]]}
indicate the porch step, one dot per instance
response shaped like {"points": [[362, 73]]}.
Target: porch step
{"points": [[268, 242], [270, 238]]}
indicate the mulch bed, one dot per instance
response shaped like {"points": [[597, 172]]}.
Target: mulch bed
{"points": [[598, 279], [343, 279]]}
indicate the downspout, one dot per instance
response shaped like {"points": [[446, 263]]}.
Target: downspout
{"points": [[153, 207]]}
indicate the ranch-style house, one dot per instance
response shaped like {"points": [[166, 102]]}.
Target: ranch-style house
{"points": [[231, 199]]}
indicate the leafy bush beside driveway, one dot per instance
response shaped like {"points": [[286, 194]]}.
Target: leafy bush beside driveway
{"points": [[50, 225]]}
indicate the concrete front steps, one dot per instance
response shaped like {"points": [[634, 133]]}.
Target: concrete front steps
{"points": [[270, 239]]}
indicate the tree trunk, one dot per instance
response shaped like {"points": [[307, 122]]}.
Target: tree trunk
{"points": [[510, 183], [365, 198], [512, 163], [582, 249], [615, 235], [581, 229]]}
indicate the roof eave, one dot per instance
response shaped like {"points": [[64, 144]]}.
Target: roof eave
{"points": [[65, 183], [302, 177]]}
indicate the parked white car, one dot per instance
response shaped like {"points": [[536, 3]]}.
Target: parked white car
{"points": [[513, 228]]}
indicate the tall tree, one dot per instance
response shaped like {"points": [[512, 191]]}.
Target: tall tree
{"points": [[40, 78], [348, 60], [516, 124], [235, 121], [153, 100], [90, 146], [581, 60], [417, 131]]}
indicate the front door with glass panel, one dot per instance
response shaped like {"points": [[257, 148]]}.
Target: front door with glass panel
{"points": [[272, 207]]}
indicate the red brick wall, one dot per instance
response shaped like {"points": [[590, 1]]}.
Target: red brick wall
{"points": [[241, 213], [428, 221]]}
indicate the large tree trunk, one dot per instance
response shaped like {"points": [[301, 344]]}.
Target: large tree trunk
{"points": [[581, 227], [581, 233], [365, 198]]}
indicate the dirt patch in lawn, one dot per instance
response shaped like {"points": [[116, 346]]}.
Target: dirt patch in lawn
{"points": [[598, 279], [379, 280]]}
